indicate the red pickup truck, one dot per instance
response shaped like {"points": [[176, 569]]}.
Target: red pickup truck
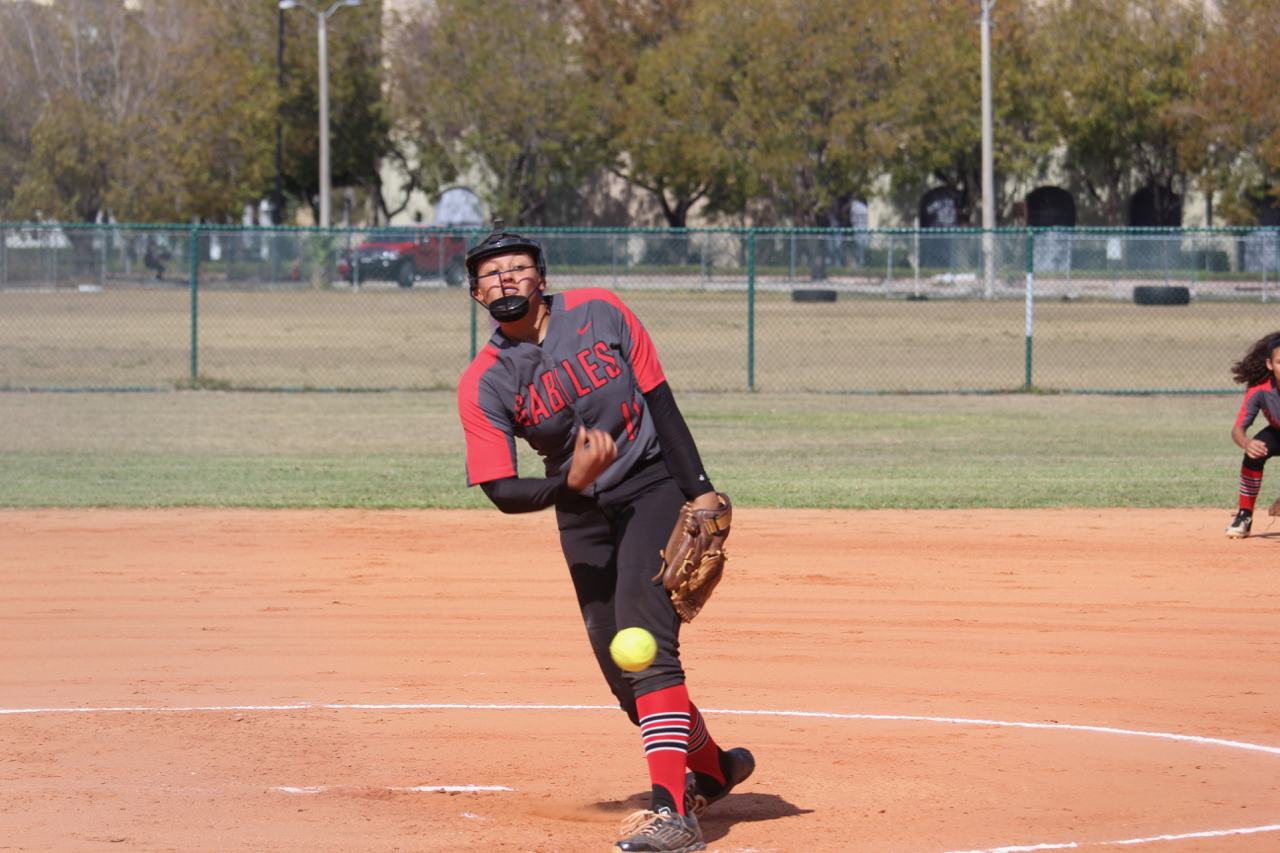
{"points": [[407, 254]]}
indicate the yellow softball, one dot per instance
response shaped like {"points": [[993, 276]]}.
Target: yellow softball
{"points": [[633, 649]]}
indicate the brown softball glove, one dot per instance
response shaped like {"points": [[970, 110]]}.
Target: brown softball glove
{"points": [[694, 558], [1275, 508]]}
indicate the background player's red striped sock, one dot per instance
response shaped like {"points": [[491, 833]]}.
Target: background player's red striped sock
{"points": [[664, 725], [1250, 485], [704, 755]]}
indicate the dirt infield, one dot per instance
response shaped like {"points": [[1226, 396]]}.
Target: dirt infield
{"points": [[910, 682]]}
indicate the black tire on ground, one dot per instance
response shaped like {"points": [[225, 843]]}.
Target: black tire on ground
{"points": [[1152, 295], [813, 296], [456, 272], [404, 274]]}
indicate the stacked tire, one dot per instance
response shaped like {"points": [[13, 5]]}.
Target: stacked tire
{"points": [[1152, 295], [813, 296]]}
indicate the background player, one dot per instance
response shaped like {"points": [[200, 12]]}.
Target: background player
{"points": [[575, 375], [1259, 372]]}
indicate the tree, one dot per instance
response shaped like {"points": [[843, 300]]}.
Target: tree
{"points": [[166, 110], [152, 112], [1126, 73], [203, 146], [942, 95], [651, 86], [497, 91], [818, 117], [19, 101], [359, 123], [672, 129], [69, 57], [1236, 113]]}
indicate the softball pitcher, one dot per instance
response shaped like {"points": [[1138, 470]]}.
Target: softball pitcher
{"points": [[575, 375]]}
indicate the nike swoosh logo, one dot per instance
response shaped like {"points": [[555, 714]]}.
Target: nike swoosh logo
{"points": [[584, 328]]}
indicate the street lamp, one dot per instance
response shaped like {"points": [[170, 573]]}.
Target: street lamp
{"points": [[322, 19], [988, 164]]}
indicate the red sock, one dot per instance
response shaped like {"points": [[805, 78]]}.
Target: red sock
{"points": [[704, 755], [664, 725], [1250, 485]]}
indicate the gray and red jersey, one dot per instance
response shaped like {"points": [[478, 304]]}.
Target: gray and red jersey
{"points": [[592, 369], [1264, 398]]}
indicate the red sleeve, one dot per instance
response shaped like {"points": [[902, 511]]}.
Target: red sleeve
{"points": [[1249, 407], [490, 448], [642, 355]]}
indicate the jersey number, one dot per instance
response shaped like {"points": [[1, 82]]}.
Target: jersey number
{"points": [[633, 422]]}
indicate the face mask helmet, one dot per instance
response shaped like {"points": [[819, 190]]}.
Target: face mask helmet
{"points": [[505, 309]]}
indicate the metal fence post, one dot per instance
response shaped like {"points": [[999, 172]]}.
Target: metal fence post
{"points": [[1030, 309], [915, 261], [193, 254], [473, 329], [751, 310], [476, 236], [988, 264], [888, 267], [706, 238], [1266, 256]]}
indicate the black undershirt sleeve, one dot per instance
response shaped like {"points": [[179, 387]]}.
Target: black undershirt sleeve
{"points": [[526, 494], [678, 448]]}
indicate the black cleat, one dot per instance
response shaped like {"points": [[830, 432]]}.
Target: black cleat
{"points": [[1240, 525], [741, 765], [663, 831]]}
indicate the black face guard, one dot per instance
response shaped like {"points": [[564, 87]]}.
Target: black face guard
{"points": [[509, 309]]}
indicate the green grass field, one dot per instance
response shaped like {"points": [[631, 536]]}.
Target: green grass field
{"points": [[405, 449]]}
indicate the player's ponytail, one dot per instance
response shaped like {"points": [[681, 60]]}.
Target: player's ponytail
{"points": [[1252, 369]]}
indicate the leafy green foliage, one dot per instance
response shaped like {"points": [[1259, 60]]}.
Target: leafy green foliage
{"points": [[776, 110], [359, 122], [674, 126], [943, 132], [155, 112], [819, 113], [1127, 80], [496, 92], [167, 110], [1238, 147]]}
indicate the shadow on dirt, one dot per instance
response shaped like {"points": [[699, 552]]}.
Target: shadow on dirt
{"points": [[735, 808]]}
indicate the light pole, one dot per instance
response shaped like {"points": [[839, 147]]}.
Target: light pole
{"points": [[988, 157], [322, 20]]}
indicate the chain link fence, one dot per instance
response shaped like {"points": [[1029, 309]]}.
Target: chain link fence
{"points": [[134, 307]]}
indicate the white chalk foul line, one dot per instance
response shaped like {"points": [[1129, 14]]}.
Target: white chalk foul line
{"points": [[428, 789], [1274, 750], [965, 721], [1213, 833], [1028, 848]]}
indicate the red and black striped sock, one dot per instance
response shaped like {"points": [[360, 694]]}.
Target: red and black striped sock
{"points": [[1250, 485], [704, 755], [664, 726]]}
